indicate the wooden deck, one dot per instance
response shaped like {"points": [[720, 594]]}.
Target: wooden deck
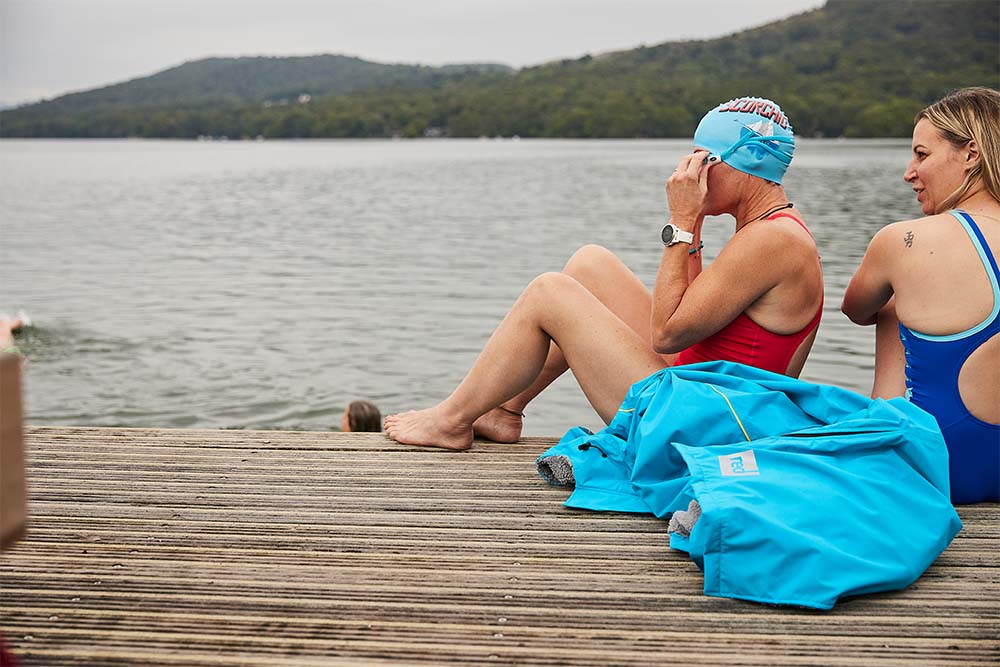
{"points": [[156, 547]]}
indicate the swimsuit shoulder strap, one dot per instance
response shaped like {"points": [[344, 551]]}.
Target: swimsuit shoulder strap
{"points": [[986, 256], [983, 248], [789, 215], [819, 313], [990, 264]]}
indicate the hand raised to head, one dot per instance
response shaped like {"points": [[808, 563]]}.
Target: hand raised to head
{"points": [[687, 188]]}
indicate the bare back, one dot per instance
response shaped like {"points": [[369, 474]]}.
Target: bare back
{"points": [[943, 288]]}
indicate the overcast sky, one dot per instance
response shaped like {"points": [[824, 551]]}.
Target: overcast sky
{"points": [[50, 47]]}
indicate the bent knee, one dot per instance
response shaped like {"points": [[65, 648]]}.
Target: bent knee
{"points": [[552, 281], [552, 287], [587, 257]]}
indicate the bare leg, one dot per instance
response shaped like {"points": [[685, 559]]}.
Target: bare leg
{"points": [[606, 355], [615, 286]]}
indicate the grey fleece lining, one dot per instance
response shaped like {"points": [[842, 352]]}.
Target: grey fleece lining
{"points": [[557, 470], [683, 522]]}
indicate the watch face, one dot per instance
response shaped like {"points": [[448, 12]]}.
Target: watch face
{"points": [[667, 235]]}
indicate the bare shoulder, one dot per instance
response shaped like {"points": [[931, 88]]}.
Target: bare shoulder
{"points": [[912, 234], [782, 235], [926, 223]]}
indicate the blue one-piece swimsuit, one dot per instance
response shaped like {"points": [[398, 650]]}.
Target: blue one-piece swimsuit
{"points": [[932, 367]]}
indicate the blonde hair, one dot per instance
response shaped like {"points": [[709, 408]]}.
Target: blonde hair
{"points": [[970, 114]]}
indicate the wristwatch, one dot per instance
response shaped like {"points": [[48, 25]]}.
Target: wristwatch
{"points": [[672, 234]]}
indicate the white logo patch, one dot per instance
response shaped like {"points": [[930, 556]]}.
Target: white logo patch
{"points": [[740, 464], [764, 128]]}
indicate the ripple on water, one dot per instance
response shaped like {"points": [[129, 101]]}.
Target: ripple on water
{"points": [[267, 285]]}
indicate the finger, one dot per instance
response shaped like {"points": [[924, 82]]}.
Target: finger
{"points": [[684, 163], [681, 169], [697, 161]]}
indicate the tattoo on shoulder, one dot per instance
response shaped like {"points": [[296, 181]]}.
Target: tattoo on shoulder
{"points": [[908, 239]]}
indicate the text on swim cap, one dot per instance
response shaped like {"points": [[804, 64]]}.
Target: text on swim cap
{"points": [[760, 107]]}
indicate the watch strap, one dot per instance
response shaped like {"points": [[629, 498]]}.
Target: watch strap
{"points": [[677, 235], [680, 236]]}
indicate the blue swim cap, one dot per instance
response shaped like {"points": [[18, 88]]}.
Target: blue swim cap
{"points": [[750, 134]]}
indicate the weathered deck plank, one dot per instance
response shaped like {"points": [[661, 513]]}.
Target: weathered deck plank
{"points": [[150, 547]]}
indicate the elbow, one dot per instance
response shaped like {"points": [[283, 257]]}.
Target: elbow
{"points": [[667, 342], [846, 310], [854, 315], [863, 321]]}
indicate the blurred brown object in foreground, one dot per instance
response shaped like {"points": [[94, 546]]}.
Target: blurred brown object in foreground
{"points": [[361, 417], [13, 492]]}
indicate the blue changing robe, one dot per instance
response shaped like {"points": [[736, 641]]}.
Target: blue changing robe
{"points": [[807, 492]]}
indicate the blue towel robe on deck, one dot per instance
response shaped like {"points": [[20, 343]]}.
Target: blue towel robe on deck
{"points": [[807, 492]]}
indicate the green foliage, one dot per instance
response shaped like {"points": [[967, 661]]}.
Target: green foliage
{"points": [[853, 67]]}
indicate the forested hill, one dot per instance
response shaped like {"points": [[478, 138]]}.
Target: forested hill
{"points": [[853, 67], [214, 81]]}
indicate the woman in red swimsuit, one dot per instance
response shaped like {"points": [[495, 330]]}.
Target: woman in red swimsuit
{"points": [[758, 303]]}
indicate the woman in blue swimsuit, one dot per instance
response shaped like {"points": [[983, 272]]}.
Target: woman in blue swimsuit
{"points": [[932, 285]]}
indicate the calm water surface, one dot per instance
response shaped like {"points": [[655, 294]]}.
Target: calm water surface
{"points": [[266, 285]]}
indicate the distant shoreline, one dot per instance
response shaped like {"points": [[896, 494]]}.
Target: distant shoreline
{"points": [[852, 69], [894, 141]]}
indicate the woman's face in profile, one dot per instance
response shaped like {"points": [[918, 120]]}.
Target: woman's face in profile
{"points": [[936, 168], [345, 421]]}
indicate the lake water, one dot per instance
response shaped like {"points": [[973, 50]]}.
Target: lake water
{"points": [[268, 284]]}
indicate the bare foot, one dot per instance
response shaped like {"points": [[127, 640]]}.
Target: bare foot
{"points": [[499, 425], [429, 428], [7, 329]]}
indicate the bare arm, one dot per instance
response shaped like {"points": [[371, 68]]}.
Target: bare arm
{"points": [[672, 282], [687, 306], [694, 258], [890, 358], [686, 190], [870, 289], [747, 268]]}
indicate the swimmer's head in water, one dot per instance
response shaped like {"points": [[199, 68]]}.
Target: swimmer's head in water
{"points": [[360, 417], [750, 134]]}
